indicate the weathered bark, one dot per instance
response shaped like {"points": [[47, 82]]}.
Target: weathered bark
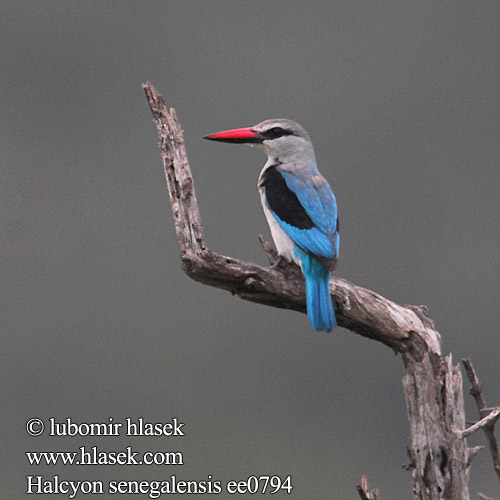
{"points": [[439, 457], [488, 416]]}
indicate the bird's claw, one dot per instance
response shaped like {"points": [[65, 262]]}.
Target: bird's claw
{"points": [[277, 263]]}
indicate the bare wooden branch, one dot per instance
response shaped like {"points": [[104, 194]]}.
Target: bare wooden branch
{"points": [[484, 497], [357, 308], [476, 392], [433, 386], [487, 421], [363, 492], [473, 451]]}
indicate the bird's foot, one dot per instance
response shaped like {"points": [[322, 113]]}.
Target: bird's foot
{"points": [[277, 263]]}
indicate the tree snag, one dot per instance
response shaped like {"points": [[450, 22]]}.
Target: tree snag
{"points": [[439, 456]]}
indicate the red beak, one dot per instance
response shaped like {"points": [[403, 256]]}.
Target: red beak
{"points": [[237, 135]]}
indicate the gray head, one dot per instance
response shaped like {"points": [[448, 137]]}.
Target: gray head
{"points": [[278, 138]]}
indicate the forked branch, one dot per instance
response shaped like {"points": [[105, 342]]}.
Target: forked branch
{"points": [[358, 309], [488, 416], [432, 385]]}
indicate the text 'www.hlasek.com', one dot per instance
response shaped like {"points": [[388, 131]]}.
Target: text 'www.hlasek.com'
{"points": [[91, 454]]}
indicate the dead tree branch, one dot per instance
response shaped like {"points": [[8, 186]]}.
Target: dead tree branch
{"points": [[433, 386], [485, 422], [488, 416], [484, 497], [363, 492]]}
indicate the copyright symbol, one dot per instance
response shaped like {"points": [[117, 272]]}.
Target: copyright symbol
{"points": [[34, 426]]}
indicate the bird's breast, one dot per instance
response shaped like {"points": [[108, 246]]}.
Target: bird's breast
{"points": [[284, 244]]}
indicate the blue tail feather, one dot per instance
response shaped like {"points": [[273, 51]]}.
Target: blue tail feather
{"points": [[319, 302]]}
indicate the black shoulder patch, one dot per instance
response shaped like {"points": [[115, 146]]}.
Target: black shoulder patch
{"points": [[284, 202]]}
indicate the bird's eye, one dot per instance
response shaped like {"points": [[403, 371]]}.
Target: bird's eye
{"points": [[274, 133]]}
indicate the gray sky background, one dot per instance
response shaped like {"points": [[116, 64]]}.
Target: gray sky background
{"points": [[402, 102]]}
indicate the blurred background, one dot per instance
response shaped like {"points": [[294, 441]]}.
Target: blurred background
{"points": [[402, 101]]}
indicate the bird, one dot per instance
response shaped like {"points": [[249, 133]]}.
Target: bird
{"points": [[299, 206]]}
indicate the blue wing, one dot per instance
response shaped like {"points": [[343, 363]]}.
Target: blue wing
{"points": [[320, 205]]}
